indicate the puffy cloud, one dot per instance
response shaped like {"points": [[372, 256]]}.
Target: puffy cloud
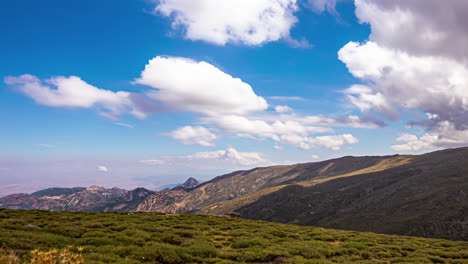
{"points": [[442, 136], [415, 60], [284, 132], [231, 154], [198, 135], [430, 27], [334, 142], [315, 157], [71, 91], [364, 98], [433, 84], [153, 162], [242, 124], [249, 22], [199, 87], [283, 109], [102, 168]]}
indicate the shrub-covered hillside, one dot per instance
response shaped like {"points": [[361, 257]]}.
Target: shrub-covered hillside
{"points": [[171, 238]]}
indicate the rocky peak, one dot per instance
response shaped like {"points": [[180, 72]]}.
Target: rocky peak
{"points": [[190, 183], [95, 188]]}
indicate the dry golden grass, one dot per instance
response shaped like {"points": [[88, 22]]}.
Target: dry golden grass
{"points": [[54, 256], [8, 257], [381, 166]]}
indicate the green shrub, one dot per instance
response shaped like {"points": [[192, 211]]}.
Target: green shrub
{"points": [[202, 250], [278, 233], [242, 243], [355, 245], [306, 252], [163, 254], [163, 238], [170, 239], [96, 241]]}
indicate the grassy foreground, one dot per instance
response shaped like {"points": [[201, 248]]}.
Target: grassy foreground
{"points": [[169, 238]]}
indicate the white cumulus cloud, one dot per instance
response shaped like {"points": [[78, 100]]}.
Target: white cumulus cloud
{"points": [[248, 22], [285, 132], [71, 91], [197, 135], [231, 154], [199, 87], [283, 109], [443, 135], [422, 28], [415, 60], [334, 142]]}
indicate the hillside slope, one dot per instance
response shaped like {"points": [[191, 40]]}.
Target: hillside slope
{"points": [[426, 197], [241, 183]]}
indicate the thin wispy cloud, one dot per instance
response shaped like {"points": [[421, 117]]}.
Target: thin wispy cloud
{"points": [[124, 125], [287, 98], [153, 162]]}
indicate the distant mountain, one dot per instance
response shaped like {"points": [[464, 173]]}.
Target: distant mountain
{"points": [[56, 191], [167, 187], [421, 195], [129, 201], [188, 184], [93, 198]]}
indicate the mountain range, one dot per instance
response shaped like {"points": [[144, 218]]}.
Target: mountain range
{"points": [[421, 195]]}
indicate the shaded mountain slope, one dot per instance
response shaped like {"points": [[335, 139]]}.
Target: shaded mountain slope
{"points": [[227, 206], [426, 197], [241, 183]]}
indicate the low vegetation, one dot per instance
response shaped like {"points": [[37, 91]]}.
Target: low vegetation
{"points": [[65, 237]]}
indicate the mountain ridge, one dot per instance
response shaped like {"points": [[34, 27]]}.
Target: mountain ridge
{"points": [[332, 193]]}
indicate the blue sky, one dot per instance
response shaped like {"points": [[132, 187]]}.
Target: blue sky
{"points": [[221, 91]]}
